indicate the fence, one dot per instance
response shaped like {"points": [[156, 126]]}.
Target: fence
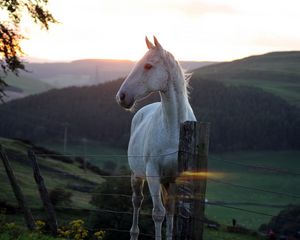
{"points": [[214, 202]]}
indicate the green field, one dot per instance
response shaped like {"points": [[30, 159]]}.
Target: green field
{"points": [[249, 180], [95, 152], [228, 186], [232, 171], [26, 236], [55, 173], [277, 73]]}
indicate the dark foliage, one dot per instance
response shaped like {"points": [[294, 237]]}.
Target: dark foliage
{"points": [[287, 222], [241, 117], [121, 203], [109, 166], [10, 36], [8, 208], [59, 196]]}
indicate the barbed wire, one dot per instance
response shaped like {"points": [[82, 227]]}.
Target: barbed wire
{"points": [[249, 188], [271, 169], [254, 188], [219, 204], [107, 155]]}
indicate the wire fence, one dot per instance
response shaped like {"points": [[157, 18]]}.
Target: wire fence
{"points": [[215, 202]]}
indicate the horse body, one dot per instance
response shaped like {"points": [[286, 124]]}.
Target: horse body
{"points": [[150, 143], [154, 140]]}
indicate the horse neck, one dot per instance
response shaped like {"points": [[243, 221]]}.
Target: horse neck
{"points": [[174, 101]]}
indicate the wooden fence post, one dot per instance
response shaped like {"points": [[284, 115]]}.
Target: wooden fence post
{"points": [[191, 183], [17, 190], [52, 222]]}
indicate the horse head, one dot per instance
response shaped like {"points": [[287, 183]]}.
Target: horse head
{"points": [[150, 74]]}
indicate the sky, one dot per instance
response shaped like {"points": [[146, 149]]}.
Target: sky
{"points": [[202, 30]]}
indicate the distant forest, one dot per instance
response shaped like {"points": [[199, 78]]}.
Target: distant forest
{"points": [[242, 118]]}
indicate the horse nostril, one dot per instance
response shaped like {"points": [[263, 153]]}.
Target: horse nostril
{"points": [[122, 96]]}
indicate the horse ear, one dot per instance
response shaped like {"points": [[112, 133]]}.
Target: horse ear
{"points": [[148, 43], [157, 44]]}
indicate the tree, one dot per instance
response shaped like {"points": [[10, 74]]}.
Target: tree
{"points": [[10, 37], [287, 222]]}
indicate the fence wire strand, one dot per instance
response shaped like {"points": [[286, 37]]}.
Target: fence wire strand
{"points": [[214, 203]]}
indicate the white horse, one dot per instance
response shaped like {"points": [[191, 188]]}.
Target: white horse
{"points": [[154, 140]]}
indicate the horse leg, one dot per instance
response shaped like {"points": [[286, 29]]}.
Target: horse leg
{"points": [[158, 211], [137, 185], [169, 202]]}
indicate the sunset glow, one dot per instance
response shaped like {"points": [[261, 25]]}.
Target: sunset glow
{"points": [[192, 175], [207, 30]]}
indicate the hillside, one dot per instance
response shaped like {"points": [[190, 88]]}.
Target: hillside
{"points": [[276, 72], [41, 77], [87, 71], [23, 86], [58, 171], [241, 117]]}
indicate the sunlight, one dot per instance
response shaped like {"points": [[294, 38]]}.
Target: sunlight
{"points": [[192, 175], [207, 30]]}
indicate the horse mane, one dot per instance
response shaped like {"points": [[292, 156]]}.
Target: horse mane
{"points": [[177, 73]]}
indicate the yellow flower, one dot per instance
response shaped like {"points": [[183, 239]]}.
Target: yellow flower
{"points": [[77, 236], [99, 235], [40, 225]]}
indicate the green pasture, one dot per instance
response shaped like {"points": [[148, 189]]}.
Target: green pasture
{"points": [[247, 186], [95, 152], [253, 185], [289, 91], [277, 73], [268, 171], [55, 173]]}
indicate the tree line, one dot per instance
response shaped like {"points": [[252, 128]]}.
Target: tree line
{"points": [[242, 118]]}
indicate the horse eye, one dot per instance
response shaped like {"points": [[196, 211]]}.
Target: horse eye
{"points": [[147, 66]]}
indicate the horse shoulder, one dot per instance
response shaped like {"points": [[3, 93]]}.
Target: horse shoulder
{"points": [[143, 115]]}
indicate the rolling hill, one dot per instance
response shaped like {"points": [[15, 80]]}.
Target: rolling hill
{"points": [[23, 86], [41, 77], [241, 117], [62, 172], [244, 113], [276, 72], [88, 71]]}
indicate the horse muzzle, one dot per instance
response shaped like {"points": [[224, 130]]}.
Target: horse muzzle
{"points": [[124, 100]]}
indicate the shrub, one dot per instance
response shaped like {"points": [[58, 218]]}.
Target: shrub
{"points": [[60, 196], [287, 222]]}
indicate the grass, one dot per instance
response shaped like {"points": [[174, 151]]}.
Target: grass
{"points": [[277, 73], [257, 178], [286, 90], [258, 170], [96, 152], [223, 235], [26, 236], [55, 174], [233, 173]]}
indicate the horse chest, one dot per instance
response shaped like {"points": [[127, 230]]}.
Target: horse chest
{"points": [[151, 143]]}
